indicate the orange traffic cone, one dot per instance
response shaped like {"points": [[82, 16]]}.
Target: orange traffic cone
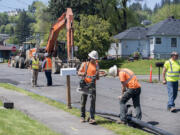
{"points": [[150, 77]]}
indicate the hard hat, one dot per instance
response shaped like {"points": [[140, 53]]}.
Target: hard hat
{"points": [[113, 71], [174, 53], [34, 54], [93, 54], [46, 54]]}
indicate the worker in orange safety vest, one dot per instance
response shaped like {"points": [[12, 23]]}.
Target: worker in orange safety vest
{"points": [[130, 88], [90, 71], [47, 67]]}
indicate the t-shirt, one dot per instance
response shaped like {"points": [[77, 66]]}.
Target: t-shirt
{"points": [[123, 76]]}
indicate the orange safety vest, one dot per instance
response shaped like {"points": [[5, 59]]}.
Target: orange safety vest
{"points": [[91, 70], [48, 65], [129, 79]]}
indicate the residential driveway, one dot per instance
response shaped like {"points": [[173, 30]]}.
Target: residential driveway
{"points": [[153, 96]]}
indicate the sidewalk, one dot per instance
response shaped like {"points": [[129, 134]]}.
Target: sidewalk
{"points": [[56, 119]]}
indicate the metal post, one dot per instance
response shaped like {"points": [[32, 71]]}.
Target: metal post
{"points": [[159, 73], [68, 92]]}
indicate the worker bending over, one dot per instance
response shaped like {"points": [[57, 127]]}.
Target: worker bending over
{"points": [[90, 70], [34, 65], [47, 67], [130, 89]]}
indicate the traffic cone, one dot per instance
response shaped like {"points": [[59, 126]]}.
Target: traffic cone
{"points": [[150, 77]]}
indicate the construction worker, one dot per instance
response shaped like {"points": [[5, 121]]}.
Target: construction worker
{"points": [[170, 73], [35, 69], [130, 89], [47, 67], [90, 70]]}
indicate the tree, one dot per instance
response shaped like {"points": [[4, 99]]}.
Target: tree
{"points": [[3, 19], [2, 29], [91, 34], [58, 7], [22, 29], [9, 29], [42, 25], [165, 12], [135, 7]]}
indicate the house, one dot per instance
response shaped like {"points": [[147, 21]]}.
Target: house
{"points": [[5, 52], [156, 41], [130, 41]]}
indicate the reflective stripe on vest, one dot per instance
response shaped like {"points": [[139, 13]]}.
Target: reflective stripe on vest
{"points": [[131, 76], [35, 64], [172, 73], [48, 65]]}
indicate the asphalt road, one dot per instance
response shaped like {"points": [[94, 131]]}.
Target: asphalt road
{"points": [[153, 96]]}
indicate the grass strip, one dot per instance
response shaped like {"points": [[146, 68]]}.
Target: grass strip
{"points": [[118, 129], [14, 122]]}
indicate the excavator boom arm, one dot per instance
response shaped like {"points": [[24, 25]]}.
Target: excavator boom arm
{"points": [[65, 20]]}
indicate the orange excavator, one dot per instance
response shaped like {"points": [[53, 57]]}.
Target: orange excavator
{"points": [[57, 49]]}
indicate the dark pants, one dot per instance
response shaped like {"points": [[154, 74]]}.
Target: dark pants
{"points": [[135, 95], [172, 88], [48, 77], [92, 106], [35, 76]]}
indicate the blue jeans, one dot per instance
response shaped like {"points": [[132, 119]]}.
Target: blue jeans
{"points": [[133, 94], [48, 77], [172, 88]]}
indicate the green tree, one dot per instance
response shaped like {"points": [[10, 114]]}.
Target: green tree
{"points": [[165, 12], [3, 19], [91, 34], [9, 29], [58, 7], [22, 30], [42, 25], [2, 29]]}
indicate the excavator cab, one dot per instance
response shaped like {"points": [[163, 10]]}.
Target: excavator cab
{"points": [[62, 51]]}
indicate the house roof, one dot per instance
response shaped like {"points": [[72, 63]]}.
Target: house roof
{"points": [[5, 48], [133, 33], [169, 26]]}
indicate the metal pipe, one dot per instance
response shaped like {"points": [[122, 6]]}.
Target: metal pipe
{"points": [[138, 122]]}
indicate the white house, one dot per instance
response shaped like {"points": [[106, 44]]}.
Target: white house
{"points": [[156, 41]]}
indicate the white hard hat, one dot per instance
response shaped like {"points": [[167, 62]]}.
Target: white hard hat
{"points": [[34, 54], [93, 54], [113, 71], [46, 54]]}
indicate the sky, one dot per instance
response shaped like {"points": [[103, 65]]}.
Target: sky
{"points": [[10, 5]]}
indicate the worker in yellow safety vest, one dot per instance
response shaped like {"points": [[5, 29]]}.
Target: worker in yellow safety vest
{"points": [[35, 69], [47, 67], [171, 72]]}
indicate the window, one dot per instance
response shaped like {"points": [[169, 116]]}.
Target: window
{"points": [[158, 40], [173, 42]]}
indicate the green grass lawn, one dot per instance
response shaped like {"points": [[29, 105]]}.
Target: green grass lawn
{"points": [[140, 67], [13, 122], [118, 129]]}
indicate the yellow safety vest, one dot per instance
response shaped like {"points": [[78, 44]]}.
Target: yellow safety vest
{"points": [[35, 64], [173, 71]]}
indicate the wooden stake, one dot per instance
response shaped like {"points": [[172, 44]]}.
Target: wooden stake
{"points": [[68, 92]]}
